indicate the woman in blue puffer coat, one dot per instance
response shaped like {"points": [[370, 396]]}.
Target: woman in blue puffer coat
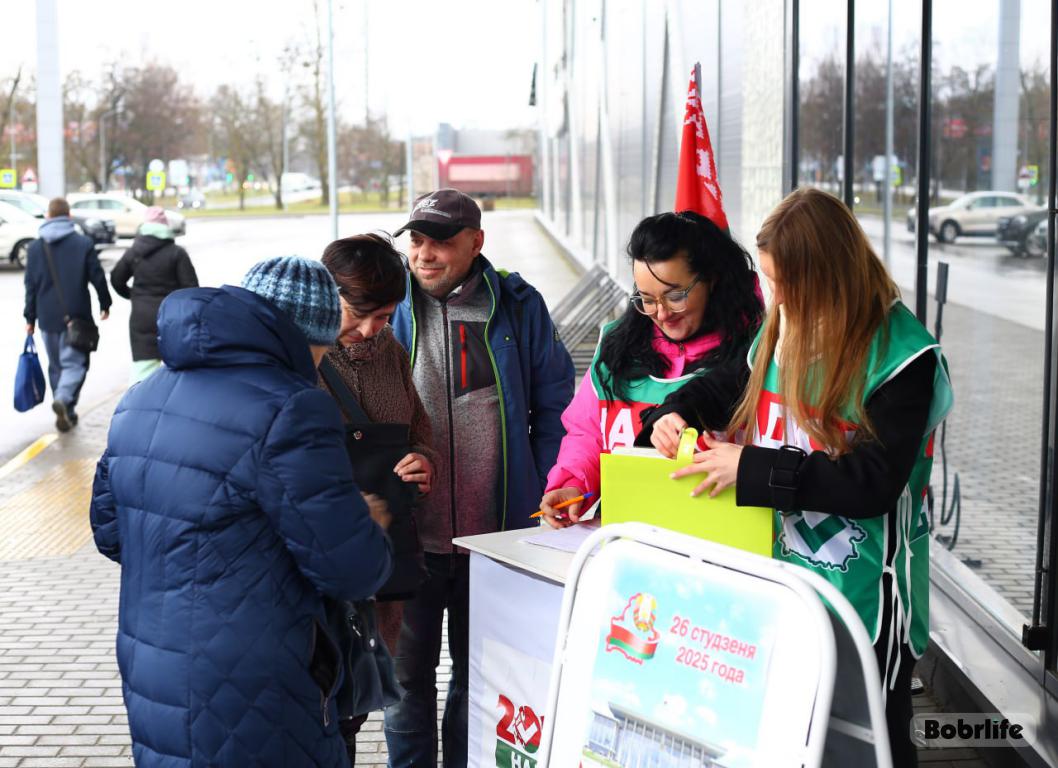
{"points": [[226, 494]]}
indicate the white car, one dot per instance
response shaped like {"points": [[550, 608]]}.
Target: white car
{"points": [[127, 213], [17, 230], [973, 215]]}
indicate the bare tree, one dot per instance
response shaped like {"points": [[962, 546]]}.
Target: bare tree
{"points": [[11, 93], [269, 117], [159, 116], [238, 132]]}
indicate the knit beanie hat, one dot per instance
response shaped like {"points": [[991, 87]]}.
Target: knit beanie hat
{"points": [[304, 290]]}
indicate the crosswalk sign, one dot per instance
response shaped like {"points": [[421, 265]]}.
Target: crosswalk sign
{"points": [[156, 181], [8, 178]]}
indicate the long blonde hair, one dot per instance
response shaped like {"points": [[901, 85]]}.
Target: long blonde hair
{"points": [[836, 295]]}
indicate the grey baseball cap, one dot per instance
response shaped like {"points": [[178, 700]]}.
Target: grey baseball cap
{"points": [[443, 214]]}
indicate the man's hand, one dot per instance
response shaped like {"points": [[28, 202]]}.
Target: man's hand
{"points": [[29, 328], [416, 468], [104, 314], [666, 434]]}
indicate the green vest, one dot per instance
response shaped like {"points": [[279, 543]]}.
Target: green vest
{"points": [[620, 421], [853, 554]]}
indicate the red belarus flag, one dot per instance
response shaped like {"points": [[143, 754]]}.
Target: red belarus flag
{"points": [[697, 187]]}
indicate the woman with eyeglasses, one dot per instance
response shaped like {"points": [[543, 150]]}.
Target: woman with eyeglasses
{"points": [[836, 402], [696, 304]]}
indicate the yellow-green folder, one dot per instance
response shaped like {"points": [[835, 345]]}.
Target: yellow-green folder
{"points": [[638, 488]]}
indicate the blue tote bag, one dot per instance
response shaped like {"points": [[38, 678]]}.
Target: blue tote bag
{"points": [[29, 379]]}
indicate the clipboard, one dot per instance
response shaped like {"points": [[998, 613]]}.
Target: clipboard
{"points": [[637, 488]]}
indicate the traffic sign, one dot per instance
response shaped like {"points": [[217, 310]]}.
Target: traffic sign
{"points": [[155, 165], [29, 181], [1029, 175], [8, 178], [156, 181]]}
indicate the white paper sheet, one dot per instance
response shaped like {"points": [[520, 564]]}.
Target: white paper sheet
{"points": [[566, 539]]}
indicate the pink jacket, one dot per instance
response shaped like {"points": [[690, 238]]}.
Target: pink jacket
{"points": [[578, 456]]}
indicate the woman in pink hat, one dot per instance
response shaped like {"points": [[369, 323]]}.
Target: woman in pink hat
{"points": [[157, 266]]}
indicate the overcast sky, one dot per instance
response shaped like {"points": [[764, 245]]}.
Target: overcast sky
{"points": [[467, 62]]}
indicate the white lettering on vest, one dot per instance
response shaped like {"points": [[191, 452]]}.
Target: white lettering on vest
{"points": [[622, 434]]}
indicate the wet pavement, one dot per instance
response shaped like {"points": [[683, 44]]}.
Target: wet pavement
{"points": [[60, 697], [60, 691]]}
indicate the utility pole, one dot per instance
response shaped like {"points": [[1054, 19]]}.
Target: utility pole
{"points": [[367, 59], [332, 153], [887, 200]]}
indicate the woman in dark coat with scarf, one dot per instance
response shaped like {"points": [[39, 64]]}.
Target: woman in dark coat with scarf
{"points": [[157, 266]]}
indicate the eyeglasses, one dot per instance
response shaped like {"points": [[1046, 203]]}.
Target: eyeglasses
{"points": [[674, 301]]}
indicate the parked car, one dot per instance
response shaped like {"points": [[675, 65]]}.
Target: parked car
{"points": [[973, 215], [127, 213], [1037, 240], [17, 230], [100, 230], [193, 200], [1015, 232]]}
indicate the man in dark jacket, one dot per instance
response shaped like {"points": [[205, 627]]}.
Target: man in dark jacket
{"points": [[495, 379], [74, 261], [157, 266], [226, 494]]}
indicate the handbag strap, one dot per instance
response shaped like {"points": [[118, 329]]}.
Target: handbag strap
{"points": [[30, 346], [55, 279], [353, 411]]}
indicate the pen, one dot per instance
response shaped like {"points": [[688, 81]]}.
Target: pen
{"points": [[564, 504]]}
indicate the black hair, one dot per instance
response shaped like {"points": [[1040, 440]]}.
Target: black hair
{"points": [[734, 308], [369, 271]]}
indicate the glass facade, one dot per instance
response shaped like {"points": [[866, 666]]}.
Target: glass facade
{"points": [[988, 159], [774, 81]]}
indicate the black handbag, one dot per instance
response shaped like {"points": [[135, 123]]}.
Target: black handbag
{"points": [[81, 333], [370, 682], [374, 449]]}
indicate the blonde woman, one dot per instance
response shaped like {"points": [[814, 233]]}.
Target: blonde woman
{"points": [[837, 399]]}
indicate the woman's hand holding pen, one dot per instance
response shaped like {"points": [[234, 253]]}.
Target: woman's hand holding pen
{"points": [[566, 516]]}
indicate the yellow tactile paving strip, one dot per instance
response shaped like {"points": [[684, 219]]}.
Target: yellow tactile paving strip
{"points": [[50, 518]]}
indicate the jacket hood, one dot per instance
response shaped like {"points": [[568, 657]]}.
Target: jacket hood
{"points": [[229, 326], [54, 230], [146, 245]]}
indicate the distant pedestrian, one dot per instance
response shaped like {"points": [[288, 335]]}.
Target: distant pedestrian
{"points": [[71, 258], [225, 493], [157, 266]]}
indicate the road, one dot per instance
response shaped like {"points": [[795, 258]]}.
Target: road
{"points": [[222, 250], [983, 275]]}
